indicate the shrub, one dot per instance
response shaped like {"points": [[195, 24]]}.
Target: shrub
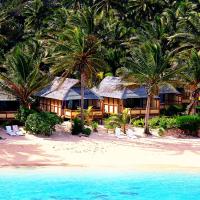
{"points": [[94, 126], [77, 126], [138, 122], [173, 110], [42, 123], [112, 122], [23, 113], [188, 123], [87, 131], [154, 122]]}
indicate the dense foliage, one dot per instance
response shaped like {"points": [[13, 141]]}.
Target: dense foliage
{"points": [[190, 124], [153, 42], [42, 123]]}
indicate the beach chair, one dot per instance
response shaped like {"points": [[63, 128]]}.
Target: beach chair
{"points": [[118, 133], [17, 131], [130, 134], [9, 131]]}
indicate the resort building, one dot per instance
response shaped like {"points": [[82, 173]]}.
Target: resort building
{"points": [[117, 97], [8, 106], [64, 98], [169, 96]]}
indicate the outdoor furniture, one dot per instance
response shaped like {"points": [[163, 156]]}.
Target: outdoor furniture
{"points": [[9, 131], [118, 133], [17, 131], [130, 134]]}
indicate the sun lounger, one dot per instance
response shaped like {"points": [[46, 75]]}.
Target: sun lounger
{"points": [[130, 134], [17, 131], [9, 131], [118, 133]]}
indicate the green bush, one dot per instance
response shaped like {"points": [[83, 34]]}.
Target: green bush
{"points": [[42, 123], [77, 126], [112, 122], [138, 122], [23, 113], [173, 110], [189, 123], [87, 131], [94, 126]]}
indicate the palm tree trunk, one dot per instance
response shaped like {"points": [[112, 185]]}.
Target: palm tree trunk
{"points": [[146, 120], [190, 107], [193, 97], [82, 96]]}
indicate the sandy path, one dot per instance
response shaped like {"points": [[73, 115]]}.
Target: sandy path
{"points": [[100, 150]]}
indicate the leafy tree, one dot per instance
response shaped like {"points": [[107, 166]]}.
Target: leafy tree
{"points": [[191, 76], [23, 77], [148, 66], [78, 54]]}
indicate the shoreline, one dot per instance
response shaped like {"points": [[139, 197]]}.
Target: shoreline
{"points": [[100, 151]]}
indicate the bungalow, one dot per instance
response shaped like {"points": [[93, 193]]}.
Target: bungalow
{"points": [[8, 106], [117, 97], [64, 98], [169, 96]]}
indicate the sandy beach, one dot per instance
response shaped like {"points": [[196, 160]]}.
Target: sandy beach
{"points": [[100, 150]]}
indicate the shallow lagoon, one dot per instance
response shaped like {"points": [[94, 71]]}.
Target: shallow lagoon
{"points": [[81, 184]]}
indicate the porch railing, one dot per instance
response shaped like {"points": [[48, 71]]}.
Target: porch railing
{"points": [[7, 115], [142, 111], [71, 114]]}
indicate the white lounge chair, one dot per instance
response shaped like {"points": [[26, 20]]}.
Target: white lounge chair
{"points": [[118, 133], [9, 131], [130, 134], [17, 131]]}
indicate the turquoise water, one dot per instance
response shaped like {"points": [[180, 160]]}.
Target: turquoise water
{"points": [[97, 185]]}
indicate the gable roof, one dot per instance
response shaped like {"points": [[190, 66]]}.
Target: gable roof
{"points": [[113, 87], [5, 96], [168, 89], [66, 90]]}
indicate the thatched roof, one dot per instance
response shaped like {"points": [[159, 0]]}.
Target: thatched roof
{"points": [[5, 96], [168, 89], [113, 87], [65, 90]]}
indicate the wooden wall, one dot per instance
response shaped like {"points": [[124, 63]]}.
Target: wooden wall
{"points": [[111, 105], [51, 105]]}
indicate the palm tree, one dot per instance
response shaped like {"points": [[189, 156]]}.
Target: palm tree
{"points": [[77, 53], [23, 77], [120, 120], [148, 66], [191, 75], [188, 34]]}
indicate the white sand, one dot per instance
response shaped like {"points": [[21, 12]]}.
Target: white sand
{"points": [[100, 150]]}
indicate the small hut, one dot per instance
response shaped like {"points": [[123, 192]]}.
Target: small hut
{"points": [[169, 96], [64, 98], [8, 105], [117, 97]]}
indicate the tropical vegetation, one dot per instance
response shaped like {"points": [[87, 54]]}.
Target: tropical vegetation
{"points": [[150, 43]]}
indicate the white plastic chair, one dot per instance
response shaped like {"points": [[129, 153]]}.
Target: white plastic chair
{"points": [[9, 131], [118, 133], [17, 131]]}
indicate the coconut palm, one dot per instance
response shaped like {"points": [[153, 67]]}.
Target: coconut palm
{"points": [[188, 34], [23, 77], [148, 66], [191, 76], [77, 53]]}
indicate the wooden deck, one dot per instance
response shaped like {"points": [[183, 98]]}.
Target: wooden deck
{"points": [[138, 111], [7, 115], [71, 114]]}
